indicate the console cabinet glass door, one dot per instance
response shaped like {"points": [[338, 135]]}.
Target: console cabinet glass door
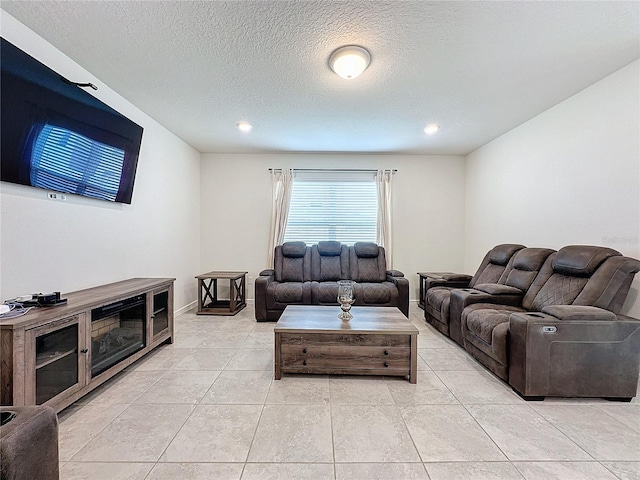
{"points": [[56, 361], [160, 313]]}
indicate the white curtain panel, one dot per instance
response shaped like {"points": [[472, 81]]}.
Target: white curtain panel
{"points": [[281, 181], [384, 182]]}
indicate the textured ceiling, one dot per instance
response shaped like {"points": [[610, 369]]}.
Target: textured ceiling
{"points": [[477, 68]]}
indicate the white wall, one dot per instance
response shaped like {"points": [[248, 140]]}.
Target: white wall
{"points": [[428, 209], [48, 245], [571, 175]]}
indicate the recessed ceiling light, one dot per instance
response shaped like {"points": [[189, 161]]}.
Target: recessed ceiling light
{"points": [[431, 128], [349, 61], [244, 126]]}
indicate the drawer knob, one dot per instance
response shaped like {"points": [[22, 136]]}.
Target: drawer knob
{"points": [[386, 364], [386, 352], [304, 350], [84, 350], [304, 362]]}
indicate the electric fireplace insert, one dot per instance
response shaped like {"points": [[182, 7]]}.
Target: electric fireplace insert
{"points": [[117, 332]]}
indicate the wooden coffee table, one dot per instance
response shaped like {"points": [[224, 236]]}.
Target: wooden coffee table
{"points": [[376, 341]]}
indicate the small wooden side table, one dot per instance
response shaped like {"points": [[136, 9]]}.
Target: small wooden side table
{"points": [[208, 302]]}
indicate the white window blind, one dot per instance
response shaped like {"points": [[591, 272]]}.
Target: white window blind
{"points": [[66, 161], [340, 206]]}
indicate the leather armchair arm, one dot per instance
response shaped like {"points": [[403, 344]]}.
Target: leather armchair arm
{"points": [[573, 351], [267, 272]]}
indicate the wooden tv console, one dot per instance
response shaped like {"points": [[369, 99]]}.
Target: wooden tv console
{"points": [[46, 355]]}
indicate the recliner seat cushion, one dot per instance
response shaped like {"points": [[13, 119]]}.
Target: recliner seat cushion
{"points": [[377, 292], [288, 293], [486, 328], [328, 292]]}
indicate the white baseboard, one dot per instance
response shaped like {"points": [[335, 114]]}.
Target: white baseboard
{"points": [[186, 308]]}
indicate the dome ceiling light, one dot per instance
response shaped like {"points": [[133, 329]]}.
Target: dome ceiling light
{"points": [[432, 128], [244, 126], [349, 61]]}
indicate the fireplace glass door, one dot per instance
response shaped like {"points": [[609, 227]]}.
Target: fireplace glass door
{"points": [[117, 332]]}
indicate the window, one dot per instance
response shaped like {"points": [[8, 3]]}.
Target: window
{"points": [[340, 206], [66, 161]]}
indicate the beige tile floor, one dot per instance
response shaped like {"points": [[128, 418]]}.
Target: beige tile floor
{"points": [[207, 407]]}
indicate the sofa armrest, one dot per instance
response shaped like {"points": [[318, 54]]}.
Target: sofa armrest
{"points": [[498, 289], [394, 273], [575, 312], [457, 277], [581, 352], [402, 284], [260, 299], [461, 298]]}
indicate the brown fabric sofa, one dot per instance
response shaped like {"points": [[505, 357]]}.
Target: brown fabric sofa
{"points": [[493, 269], [561, 335], [308, 275]]}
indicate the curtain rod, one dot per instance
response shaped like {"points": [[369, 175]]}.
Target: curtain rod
{"points": [[332, 170]]}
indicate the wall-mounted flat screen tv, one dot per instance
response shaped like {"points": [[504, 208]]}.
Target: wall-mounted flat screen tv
{"points": [[57, 136]]}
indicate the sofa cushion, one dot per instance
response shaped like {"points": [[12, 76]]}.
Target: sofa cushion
{"points": [[501, 254], [329, 248], [487, 326], [288, 293], [490, 274], [330, 269], [558, 290], [328, 292], [292, 269], [366, 250], [376, 292], [581, 260], [294, 249]]}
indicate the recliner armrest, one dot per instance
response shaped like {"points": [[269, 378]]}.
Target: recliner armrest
{"points": [[582, 352], [576, 312], [498, 289], [457, 277], [395, 273], [260, 297], [446, 276]]}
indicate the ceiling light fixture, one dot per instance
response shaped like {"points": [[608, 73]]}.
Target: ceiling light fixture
{"points": [[431, 128], [349, 61], [244, 126]]}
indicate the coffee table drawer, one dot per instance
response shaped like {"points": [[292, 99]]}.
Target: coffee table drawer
{"points": [[342, 340], [338, 359]]}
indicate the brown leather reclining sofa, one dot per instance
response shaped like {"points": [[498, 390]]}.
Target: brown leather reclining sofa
{"points": [[308, 275], [551, 325]]}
